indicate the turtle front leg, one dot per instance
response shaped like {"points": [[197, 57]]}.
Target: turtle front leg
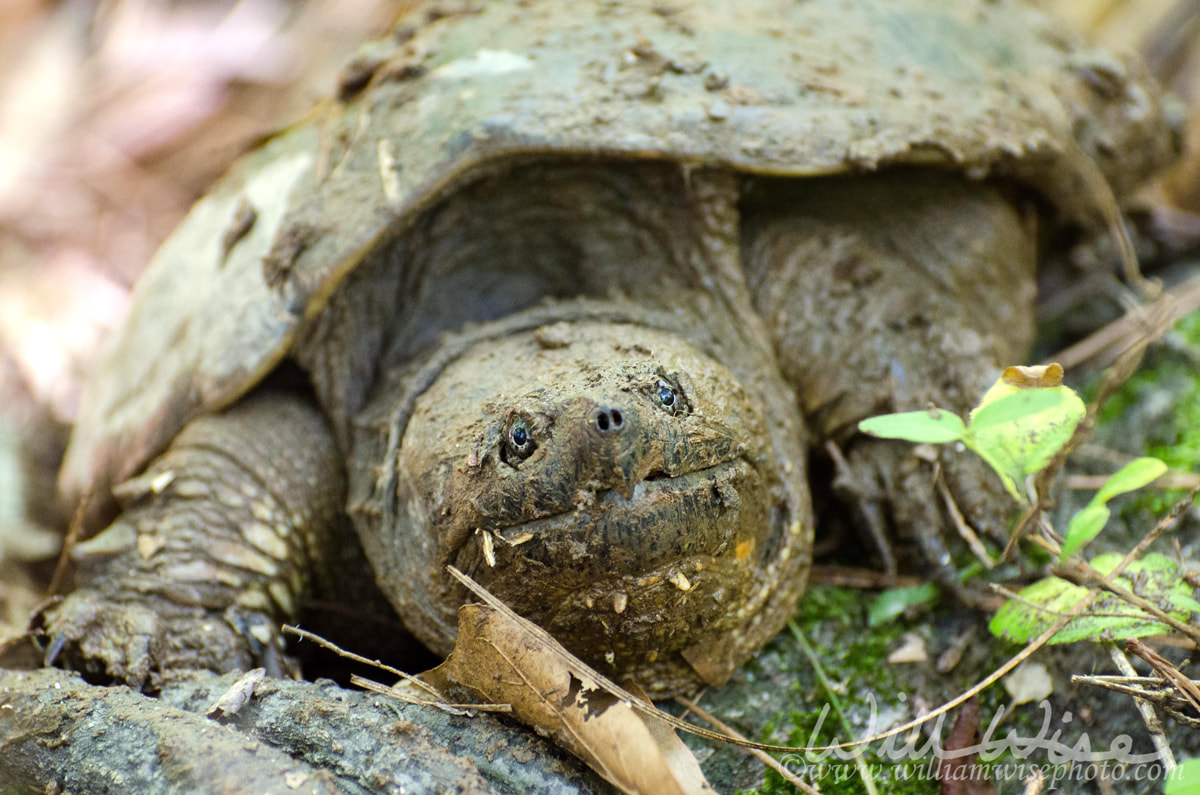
{"points": [[894, 292], [216, 546]]}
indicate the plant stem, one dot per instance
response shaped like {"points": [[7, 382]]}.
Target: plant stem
{"points": [[863, 771]]}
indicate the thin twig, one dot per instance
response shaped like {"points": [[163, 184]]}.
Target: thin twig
{"points": [[1112, 683], [964, 529], [333, 647], [1149, 716], [74, 532], [1110, 210], [1165, 695], [1163, 667], [863, 579], [1018, 532], [454, 709], [1117, 337], [1172, 479]]}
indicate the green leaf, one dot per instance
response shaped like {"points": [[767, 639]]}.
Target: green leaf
{"points": [[1083, 527], [1137, 473], [895, 601], [934, 426], [1016, 406], [1185, 779], [1088, 523], [1020, 433], [1108, 618], [1154, 564], [1184, 602]]}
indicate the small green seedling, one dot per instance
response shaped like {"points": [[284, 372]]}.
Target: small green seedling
{"points": [[1087, 524], [1020, 425], [1022, 422]]}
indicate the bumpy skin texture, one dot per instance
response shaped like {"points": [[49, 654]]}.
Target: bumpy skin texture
{"points": [[215, 545], [587, 201], [911, 289]]}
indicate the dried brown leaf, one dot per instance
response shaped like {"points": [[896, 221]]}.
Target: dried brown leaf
{"points": [[679, 758], [502, 658], [497, 658], [1037, 376], [961, 775]]}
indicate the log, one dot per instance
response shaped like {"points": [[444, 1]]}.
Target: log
{"points": [[61, 734]]}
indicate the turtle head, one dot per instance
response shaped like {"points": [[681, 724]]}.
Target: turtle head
{"points": [[608, 481]]}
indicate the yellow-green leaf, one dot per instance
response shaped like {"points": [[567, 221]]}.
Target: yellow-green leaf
{"points": [[1185, 779], [1083, 527], [1019, 430], [1137, 473]]}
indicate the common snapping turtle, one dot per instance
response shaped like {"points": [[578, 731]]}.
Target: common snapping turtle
{"points": [[564, 294]]}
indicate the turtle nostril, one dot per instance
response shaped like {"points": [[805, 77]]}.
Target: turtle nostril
{"points": [[609, 420]]}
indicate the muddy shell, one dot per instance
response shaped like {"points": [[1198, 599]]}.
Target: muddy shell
{"points": [[789, 89]]}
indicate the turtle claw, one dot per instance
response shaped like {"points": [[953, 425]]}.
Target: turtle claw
{"points": [[886, 479], [141, 646], [53, 649], [85, 632]]}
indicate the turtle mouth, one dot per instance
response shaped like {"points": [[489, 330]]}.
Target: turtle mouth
{"points": [[655, 501], [678, 550]]}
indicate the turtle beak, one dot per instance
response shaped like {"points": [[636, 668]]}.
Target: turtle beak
{"points": [[628, 476]]}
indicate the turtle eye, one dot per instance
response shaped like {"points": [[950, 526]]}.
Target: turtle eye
{"points": [[669, 397], [518, 441]]}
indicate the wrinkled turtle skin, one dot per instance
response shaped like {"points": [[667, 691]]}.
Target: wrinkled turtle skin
{"points": [[564, 295]]}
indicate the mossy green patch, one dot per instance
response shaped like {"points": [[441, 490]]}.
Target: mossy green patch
{"points": [[778, 699], [872, 693]]}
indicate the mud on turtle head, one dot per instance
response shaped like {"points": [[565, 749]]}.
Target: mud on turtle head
{"points": [[587, 474]]}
